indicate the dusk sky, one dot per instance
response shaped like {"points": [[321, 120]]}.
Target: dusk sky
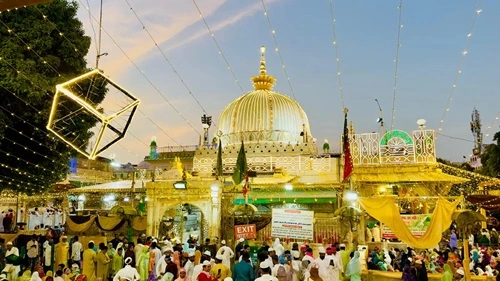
{"points": [[433, 39]]}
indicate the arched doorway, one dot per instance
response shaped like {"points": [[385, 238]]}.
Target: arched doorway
{"points": [[183, 221]]}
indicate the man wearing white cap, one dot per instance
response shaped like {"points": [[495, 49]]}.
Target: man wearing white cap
{"points": [[239, 248], [296, 266], [321, 261], [199, 267], [265, 272], [189, 266], [127, 272], [205, 273], [10, 263], [226, 253]]}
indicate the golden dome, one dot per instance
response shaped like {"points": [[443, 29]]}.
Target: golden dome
{"points": [[264, 115]]}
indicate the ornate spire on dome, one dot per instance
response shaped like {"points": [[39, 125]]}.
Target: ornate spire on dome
{"points": [[263, 81]]}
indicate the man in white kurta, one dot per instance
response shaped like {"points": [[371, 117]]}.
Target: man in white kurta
{"points": [[226, 253], [12, 270]]}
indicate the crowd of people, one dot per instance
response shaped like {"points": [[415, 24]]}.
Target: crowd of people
{"points": [[446, 258], [151, 259]]}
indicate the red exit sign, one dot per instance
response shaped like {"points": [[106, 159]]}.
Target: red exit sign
{"points": [[247, 231]]}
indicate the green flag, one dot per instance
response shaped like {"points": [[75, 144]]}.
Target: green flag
{"points": [[241, 166], [218, 168]]}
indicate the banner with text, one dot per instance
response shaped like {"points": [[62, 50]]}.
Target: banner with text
{"points": [[246, 231], [291, 223], [417, 224]]}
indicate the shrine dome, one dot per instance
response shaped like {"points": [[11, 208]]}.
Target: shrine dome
{"points": [[263, 115]]}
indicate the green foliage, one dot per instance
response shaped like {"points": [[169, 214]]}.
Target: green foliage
{"points": [[491, 158], [26, 76]]}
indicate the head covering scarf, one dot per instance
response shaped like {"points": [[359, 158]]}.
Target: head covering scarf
{"points": [[48, 276], [407, 276], [448, 274], [40, 271], [186, 278], [35, 277], [353, 267]]}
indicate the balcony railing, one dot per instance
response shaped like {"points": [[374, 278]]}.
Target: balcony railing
{"points": [[394, 147]]}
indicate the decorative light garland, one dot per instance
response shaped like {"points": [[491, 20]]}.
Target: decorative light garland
{"points": [[277, 48], [396, 64], [218, 46], [25, 161], [22, 73], [141, 71], [20, 172], [337, 58], [165, 57], [488, 129], [460, 64]]}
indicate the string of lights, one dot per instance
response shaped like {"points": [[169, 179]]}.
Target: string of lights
{"points": [[218, 46], [165, 57], [37, 110], [455, 138], [157, 126], [33, 83], [45, 17], [32, 139], [10, 181], [28, 47], [396, 64], [141, 71], [29, 149], [460, 64], [21, 172], [25, 161], [337, 58], [488, 129], [277, 48]]}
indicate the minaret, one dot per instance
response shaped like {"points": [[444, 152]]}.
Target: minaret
{"points": [[153, 155]]}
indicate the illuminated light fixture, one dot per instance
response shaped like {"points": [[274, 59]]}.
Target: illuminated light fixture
{"points": [[288, 186], [214, 188], [81, 197], [351, 196], [109, 198], [92, 110], [180, 185], [126, 199]]}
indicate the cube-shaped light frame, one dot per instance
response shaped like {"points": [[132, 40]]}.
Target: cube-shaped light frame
{"points": [[62, 90]]}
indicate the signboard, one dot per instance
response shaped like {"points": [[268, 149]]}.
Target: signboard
{"points": [[417, 224], [246, 231], [290, 223]]}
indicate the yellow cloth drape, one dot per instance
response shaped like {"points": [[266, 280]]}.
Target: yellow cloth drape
{"points": [[80, 227], [140, 223], [109, 223], [385, 210]]}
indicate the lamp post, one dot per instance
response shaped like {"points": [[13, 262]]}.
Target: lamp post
{"points": [[206, 121]]}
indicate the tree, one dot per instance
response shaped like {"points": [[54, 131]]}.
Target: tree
{"points": [[491, 158], [34, 57]]}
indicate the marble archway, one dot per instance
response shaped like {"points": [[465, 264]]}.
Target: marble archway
{"points": [[183, 220]]}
